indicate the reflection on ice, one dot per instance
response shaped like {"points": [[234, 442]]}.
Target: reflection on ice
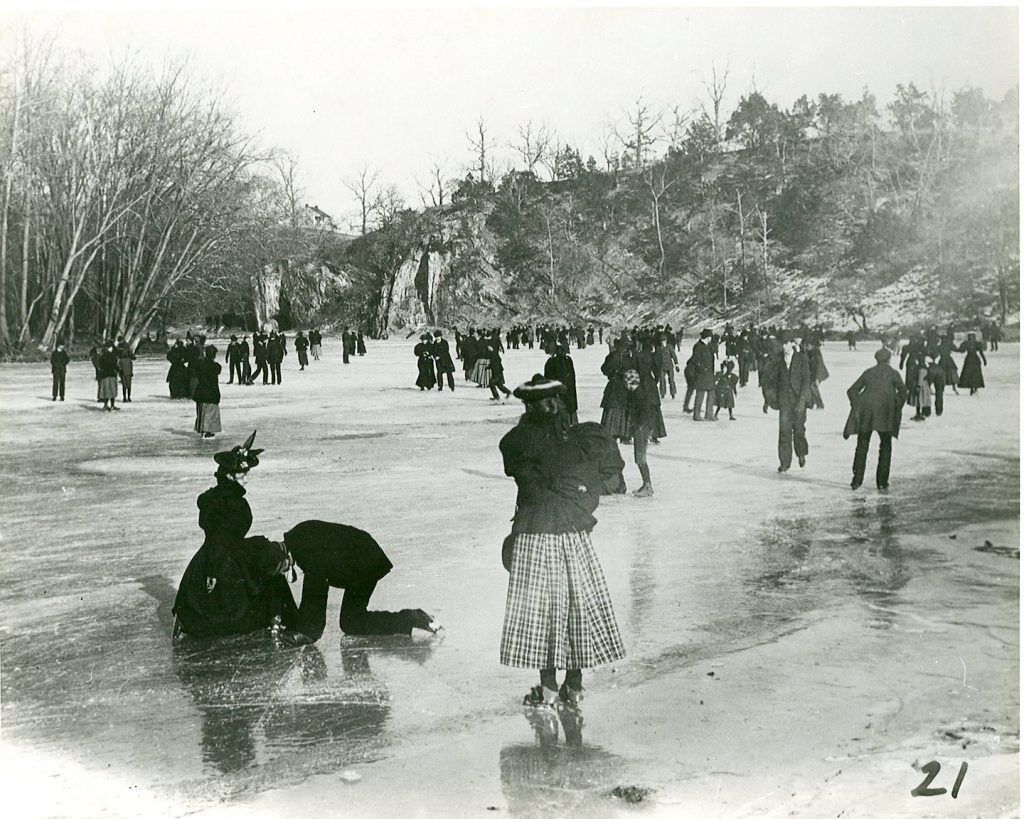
{"points": [[558, 777]]}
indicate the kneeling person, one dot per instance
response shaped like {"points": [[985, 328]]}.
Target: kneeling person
{"points": [[343, 557]]}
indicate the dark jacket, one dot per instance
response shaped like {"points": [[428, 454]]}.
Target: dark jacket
{"points": [[787, 386], [560, 481], [342, 554], [876, 402], [702, 362], [443, 356], [497, 374], [59, 361], [275, 350], [224, 513], [106, 366], [615, 392], [208, 388], [561, 368], [233, 584], [666, 358]]}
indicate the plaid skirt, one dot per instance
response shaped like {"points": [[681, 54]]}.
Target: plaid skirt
{"points": [[558, 613], [481, 372]]}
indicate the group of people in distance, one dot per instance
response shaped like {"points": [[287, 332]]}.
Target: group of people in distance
{"points": [[434, 362], [558, 615]]}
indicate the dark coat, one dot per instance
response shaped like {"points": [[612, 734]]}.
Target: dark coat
{"points": [[233, 584], [787, 386], [819, 372], [443, 356], [106, 364], [560, 481], [208, 389], [497, 374], [342, 554], [615, 392], [970, 372], [666, 358], [702, 362], [425, 378], [646, 367], [469, 350], [59, 361], [275, 350], [177, 375], [224, 513], [561, 368], [876, 402]]}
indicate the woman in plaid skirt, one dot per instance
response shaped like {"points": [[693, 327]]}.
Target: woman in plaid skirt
{"points": [[558, 613]]}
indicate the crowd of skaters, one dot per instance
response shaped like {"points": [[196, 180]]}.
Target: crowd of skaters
{"points": [[194, 373], [558, 614]]}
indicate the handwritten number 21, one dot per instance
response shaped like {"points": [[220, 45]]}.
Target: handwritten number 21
{"points": [[932, 770]]}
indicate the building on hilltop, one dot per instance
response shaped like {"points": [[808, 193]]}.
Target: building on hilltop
{"points": [[319, 219]]}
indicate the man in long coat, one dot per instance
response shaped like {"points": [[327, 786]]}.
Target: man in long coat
{"points": [[787, 389], [443, 361], [702, 362], [876, 405]]}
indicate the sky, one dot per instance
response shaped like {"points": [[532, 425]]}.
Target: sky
{"points": [[397, 90]]}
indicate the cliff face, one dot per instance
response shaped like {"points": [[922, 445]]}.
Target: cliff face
{"points": [[446, 277], [267, 294], [304, 286], [411, 299]]}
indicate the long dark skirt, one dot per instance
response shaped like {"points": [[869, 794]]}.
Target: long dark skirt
{"points": [[615, 421], [970, 375], [425, 379]]}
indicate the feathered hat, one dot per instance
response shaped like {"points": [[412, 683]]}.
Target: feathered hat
{"points": [[240, 458]]}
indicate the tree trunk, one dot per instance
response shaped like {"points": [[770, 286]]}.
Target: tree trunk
{"points": [[5, 336], [23, 313]]}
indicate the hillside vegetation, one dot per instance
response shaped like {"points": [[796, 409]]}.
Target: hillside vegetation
{"points": [[818, 212]]}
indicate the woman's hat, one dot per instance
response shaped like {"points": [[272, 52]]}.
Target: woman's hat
{"points": [[537, 388], [240, 458]]}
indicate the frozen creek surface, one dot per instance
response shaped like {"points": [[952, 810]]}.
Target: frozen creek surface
{"points": [[794, 648]]}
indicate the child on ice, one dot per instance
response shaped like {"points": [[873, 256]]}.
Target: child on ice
{"points": [[725, 389]]}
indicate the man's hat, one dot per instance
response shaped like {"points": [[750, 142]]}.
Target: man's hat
{"points": [[537, 388], [240, 458], [882, 354]]}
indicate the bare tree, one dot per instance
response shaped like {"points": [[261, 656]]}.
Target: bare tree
{"points": [[657, 183], [640, 136], [534, 145], [481, 145], [364, 187], [287, 170], [674, 129], [765, 232], [716, 93], [386, 207], [436, 188]]}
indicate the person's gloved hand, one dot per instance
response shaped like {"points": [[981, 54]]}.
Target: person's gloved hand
{"points": [[421, 620], [295, 639]]}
